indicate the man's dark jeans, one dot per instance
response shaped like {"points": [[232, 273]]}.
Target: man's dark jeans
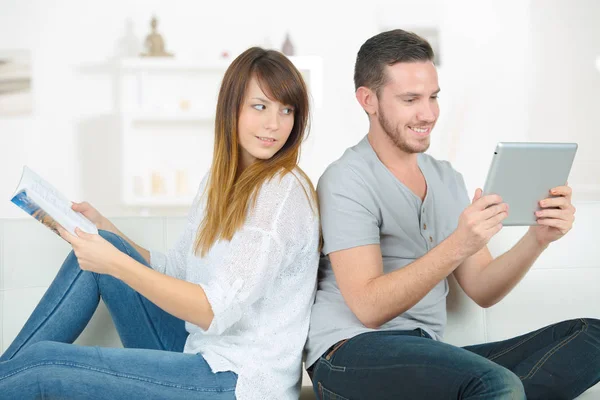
{"points": [[559, 361]]}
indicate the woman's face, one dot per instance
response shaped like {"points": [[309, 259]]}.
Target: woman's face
{"points": [[264, 125]]}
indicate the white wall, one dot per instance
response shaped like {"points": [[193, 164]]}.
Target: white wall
{"points": [[564, 97], [74, 107], [485, 76], [480, 39]]}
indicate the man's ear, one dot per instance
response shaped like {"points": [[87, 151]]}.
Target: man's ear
{"points": [[367, 99]]}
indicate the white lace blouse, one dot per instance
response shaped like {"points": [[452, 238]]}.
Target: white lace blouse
{"points": [[260, 285]]}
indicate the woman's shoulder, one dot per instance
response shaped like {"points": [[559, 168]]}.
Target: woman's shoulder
{"points": [[287, 195], [292, 185], [286, 207]]}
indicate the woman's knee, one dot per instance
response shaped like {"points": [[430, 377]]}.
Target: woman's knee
{"points": [[44, 350], [43, 363], [113, 238]]}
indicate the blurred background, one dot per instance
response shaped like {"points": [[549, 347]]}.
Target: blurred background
{"points": [[133, 135]]}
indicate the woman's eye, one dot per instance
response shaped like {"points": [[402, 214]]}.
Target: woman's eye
{"points": [[288, 111], [259, 107]]}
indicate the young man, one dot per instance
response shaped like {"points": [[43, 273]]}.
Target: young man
{"points": [[396, 222]]}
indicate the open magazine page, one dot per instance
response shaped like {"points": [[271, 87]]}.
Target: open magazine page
{"points": [[42, 201], [32, 208]]}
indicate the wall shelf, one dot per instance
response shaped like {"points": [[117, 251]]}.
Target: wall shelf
{"points": [[160, 201], [147, 117], [167, 109]]}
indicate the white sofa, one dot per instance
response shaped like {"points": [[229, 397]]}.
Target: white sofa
{"points": [[563, 284]]}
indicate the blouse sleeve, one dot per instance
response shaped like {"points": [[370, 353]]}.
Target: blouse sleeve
{"points": [[275, 231], [173, 262]]}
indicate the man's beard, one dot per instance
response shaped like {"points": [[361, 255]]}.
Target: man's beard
{"points": [[395, 136]]}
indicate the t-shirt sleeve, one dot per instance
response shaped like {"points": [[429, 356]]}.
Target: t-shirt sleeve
{"points": [[462, 194], [459, 199], [349, 214]]}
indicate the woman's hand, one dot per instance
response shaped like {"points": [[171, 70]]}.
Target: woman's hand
{"points": [[93, 215], [93, 252]]}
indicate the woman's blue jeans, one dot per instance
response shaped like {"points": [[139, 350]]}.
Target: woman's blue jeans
{"points": [[42, 362], [556, 362]]}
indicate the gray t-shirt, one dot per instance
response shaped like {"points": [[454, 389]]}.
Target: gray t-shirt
{"points": [[363, 203]]}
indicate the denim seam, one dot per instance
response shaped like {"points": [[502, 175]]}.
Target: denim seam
{"points": [[551, 352], [323, 389], [119, 375], [49, 315], [528, 338], [333, 367], [351, 369], [101, 359], [481, 381], [125, 245]]}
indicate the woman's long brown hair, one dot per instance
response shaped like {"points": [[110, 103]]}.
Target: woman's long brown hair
{"points": [[228, 195]]}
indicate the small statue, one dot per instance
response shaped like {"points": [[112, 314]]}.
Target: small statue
{"points": [[287, 48], [154, 44]]}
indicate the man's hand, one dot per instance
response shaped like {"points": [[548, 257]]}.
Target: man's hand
{"points": [[93, 252], [556, 217], [479, 222]]}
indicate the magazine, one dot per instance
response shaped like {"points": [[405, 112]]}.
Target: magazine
{"points": [[43, 202]]}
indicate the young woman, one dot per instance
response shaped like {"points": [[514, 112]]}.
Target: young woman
{"points": [[222, 315]]}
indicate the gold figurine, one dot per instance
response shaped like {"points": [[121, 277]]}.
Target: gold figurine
{"points": [[154, 43]]}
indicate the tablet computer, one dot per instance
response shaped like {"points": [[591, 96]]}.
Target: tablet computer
{"points": [[523, 174]]}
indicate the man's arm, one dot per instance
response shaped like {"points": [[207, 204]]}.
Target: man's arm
{"points": [[487, 281], [376, 298]]}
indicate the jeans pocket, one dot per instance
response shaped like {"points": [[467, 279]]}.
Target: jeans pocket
{"points": [[424, 333], [335, 348], [326, 394]]}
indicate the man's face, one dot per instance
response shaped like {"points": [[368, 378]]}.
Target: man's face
{"points": [[407, 105]]}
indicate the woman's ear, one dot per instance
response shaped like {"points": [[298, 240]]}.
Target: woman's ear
{"points": [[367, 99]]}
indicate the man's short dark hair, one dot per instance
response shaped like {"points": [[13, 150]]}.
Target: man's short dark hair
{"points": [[388, 48]]}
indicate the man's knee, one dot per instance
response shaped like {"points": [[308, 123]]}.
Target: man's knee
{"points": [[513, 385], [501, 383], [589, 326], [592, 324], [592, 329]]}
